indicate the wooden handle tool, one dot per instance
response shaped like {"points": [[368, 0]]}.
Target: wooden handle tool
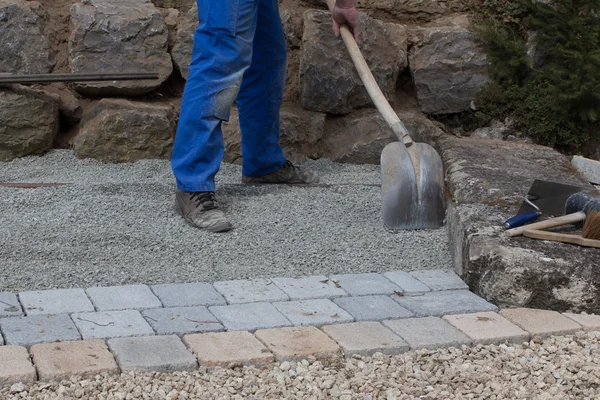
{"points": [[561, 237], [548, 223]]}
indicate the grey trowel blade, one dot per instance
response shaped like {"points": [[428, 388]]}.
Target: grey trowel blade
{"points": [[550, 197], [412, 187]]}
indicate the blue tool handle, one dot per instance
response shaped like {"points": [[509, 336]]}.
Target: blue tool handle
{"points": [[522, 219]]}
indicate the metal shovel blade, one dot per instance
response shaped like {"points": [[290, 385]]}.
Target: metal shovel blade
{"points": [[412, 187]]}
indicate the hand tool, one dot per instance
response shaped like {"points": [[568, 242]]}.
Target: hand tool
{"points": [[75, 77], [590, 236], [412, 173]]}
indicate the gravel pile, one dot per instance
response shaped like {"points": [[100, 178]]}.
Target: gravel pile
{"points": [[557, 368], [115, 224]]}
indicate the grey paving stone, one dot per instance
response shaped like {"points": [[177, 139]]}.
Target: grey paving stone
{"points": [[317, 312], [9, 305], [182, 320], [428, 332], [372, 308], [309, 287], [188, 294], [249, 317], [408, 283], [25, 331], [127, 297], [438, 279], [152, 353], [60, 301], [444, 302], [250, 291], [112, 324], [365, 284]]}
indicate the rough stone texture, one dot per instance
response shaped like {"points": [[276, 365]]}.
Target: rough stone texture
{"points": [[188, 294], [26, 48], [588, 322], [589, 168], [316, 312], [365, 284], [328, 78], [25, 331], [298, 343], [181, 5], [15, 365], [123, 297], [250, 291], [487, 181], [488, 328], [55, 301], [29, 122], [365, 339], [428, 332], [447, 65], [112, 324], [444, 302], [184, 44], [293, 27], [152, 353], [372, 308], [119, 36], [9, 305], [541, 323], [119, 130], [225, 348], [407, 283], [440, 280], [249, 317], [85, 358], [182, 320], [309, 287]]}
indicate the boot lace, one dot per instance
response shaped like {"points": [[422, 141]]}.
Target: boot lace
{"points": [[206, 200]]}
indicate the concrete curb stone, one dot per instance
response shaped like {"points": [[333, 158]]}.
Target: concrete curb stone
{"points": [[15, 365], [427, 332], [188, 294], [9, 305], [249, 316], [60, 301], [309, 287], [111, 324], [224, 348], [115, 298], [444, 302], [250, 291], [366, 338], [372, 308], [366, 284], [26, 331], [182, 320], [315, 312]]}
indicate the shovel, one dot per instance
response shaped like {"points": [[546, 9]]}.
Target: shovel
{"points": [[412, 173]]}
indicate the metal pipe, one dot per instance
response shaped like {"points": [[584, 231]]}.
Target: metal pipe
{"points": [[75, 77]]}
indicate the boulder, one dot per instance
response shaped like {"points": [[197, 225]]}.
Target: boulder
{"points": [[171, 17], [25, 46], [447, 66], [180, 5], [292, 27], [118, 130], [111, 36], [184, 44], [329, 82], [29, 122]]}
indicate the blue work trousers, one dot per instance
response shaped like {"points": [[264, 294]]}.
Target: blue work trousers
{"points": [[239, 55]]}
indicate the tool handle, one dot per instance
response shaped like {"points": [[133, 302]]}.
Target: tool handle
{"points": [[561, 237], [521, 219], [377, 96], [75, 77], [549, 223]]}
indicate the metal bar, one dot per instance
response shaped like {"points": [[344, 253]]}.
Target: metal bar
{"points": [[75, 77]]}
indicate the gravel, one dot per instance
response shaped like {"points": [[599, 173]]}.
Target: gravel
{"points": [[565, 367], [115, 224]]}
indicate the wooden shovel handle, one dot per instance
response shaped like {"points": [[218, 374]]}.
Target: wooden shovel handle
{"points": [[561, 237], [378, 98], [549, 223]]}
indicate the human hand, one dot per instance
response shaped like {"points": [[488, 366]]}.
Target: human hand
{"points": [[344, 12]]}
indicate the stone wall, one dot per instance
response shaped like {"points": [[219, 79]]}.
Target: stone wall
{"points": [[422, 54]]}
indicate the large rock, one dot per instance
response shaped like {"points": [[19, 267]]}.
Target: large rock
{"points": [[447, 65], [180, 5], [328, 79], [293, 27], [29, 122], [25, 46], [487, 181], [118, 130], [182, 50], [119, 36]]}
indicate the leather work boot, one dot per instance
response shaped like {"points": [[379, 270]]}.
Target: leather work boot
{"points": [[289, 174], [202, 210]]}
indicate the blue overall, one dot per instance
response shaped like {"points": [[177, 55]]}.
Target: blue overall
{"points": [[239, 55]]}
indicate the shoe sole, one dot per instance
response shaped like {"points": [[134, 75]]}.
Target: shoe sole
{"points": [[225, 227]]}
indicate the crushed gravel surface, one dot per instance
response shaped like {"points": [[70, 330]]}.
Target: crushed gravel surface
{"points": [[558, 368], [115, 224]]}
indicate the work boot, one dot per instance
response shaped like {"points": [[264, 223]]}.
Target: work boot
{"points": [[202, 210], [289, 173]]}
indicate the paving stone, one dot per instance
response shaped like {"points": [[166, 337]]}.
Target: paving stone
{"points": [[309, 287], [224, 348], [188, 294], [315, 312], [9, 305], [182, 320], [25, 331], [408, 284], [55, 301], [152, 353], [366, 338], [85, 358], [541, 323], [488, 328], [438, 279], [250, 291], [127, 297], [298, 342], [249, 317], [15, 365], [444, 302], [112, 324], [588, 322], [372, 308], [366, 284], [429, 333]]}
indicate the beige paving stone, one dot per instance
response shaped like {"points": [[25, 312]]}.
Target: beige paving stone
{"points": [[488, 328], [541, 323], [298, 342], [589, 322], [61, 360], [366, 338], [223, 348], [15, 365]]}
